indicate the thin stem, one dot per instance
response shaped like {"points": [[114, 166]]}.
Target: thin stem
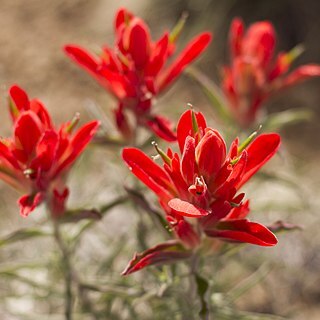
{"points": [[193, 273], [67, 270], [199, 286]]}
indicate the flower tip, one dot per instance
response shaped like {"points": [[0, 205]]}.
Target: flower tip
{"points": [[276, 138], [208, 36], [190, 106], [69, 48], [273, 240], [14, 88], [125, 273], [237, 20], [185, 15]]}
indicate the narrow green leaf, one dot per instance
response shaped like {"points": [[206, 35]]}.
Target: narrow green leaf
{"points": [[294, 53], [140, 200], [80, 214], [213, 93], [278, 120], [247, 141], [249, 282], [103, 210], [23, 234], [177, 29]]}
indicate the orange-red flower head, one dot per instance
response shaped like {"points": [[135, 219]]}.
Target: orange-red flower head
{"points": [[38, 154], [135, 71], [198, 187], [255, 73]]}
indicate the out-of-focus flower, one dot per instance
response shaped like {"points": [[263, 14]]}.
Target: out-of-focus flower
{"points": [[199, 189], [255, 72], [38, 156], [135, 71]]}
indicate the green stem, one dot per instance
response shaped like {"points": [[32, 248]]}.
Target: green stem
{"points": [[67, 270], [200, 286]]}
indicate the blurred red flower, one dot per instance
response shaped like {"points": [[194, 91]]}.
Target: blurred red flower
{"points": [[135, 70], [255, 72], [38, 155], [198, 189]]}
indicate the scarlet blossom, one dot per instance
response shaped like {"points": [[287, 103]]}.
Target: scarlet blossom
{"points": [[255, 72], [38, 156], [198, 188], [136, 70]]}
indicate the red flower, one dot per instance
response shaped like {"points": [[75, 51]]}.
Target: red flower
{"points": [[135, 71], [255, 73], [39, 155], [199, 188]]}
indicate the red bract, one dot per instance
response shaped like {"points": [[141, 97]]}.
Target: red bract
{"points": [[198, 188], [38, 155], [255, 72], [135, 71]]}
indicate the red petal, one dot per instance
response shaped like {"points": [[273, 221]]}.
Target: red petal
{"points": [[184, 127], [259, 43], [7, 156], [190, 53], [28, 203], [186, 209], [27, 131], [113, 82], [139, 43], [46, 150], [162, 127], [187, 234], [210, 154], [58, 202], [219, 210], [239, 212], [280, 67], [123, 123], [301, 74], [158, 57], [78, 143], [116, 84], [175, 174], [37, 107], [261, 150], [20, 101], [228, 189], [188, 161], [122, 16], [233, 151], [236, 36], [82, 57], [151, 174], [164, 253], [244, 231]]}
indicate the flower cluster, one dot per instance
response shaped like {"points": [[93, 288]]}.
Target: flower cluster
{"points": [[255, 73], [37, 157], [135, 71], [199, 189]]}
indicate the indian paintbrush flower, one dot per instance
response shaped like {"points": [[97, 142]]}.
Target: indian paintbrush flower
{"points": [[136, 71], [255, 72], [198, 188], [38, 156]]}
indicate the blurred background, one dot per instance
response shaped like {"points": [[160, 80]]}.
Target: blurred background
{"points": [[32, 34]]}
